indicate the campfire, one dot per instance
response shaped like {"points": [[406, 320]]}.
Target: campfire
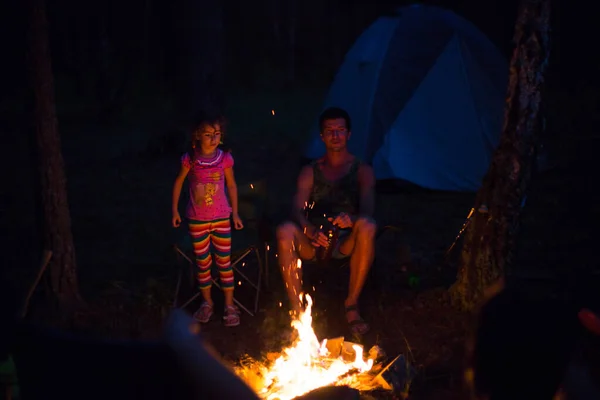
{"points": [[309, 364]]}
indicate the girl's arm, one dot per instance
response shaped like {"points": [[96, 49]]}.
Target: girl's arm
{"points": [[232, 189], [177, 188]]}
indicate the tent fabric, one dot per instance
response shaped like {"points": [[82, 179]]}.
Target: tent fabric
{"points": [[425, 90]]}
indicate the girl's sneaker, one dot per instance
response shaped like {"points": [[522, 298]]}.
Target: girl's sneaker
{"points": [[231, 316], [204, 313]]}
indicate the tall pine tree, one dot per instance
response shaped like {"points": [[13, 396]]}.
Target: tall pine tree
{"points": [[491, 236]]}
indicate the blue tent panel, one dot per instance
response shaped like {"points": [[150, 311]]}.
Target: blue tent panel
{"points": [[431, 143]]}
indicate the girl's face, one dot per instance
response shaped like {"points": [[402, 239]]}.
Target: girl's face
{"points": [[209, 137]]}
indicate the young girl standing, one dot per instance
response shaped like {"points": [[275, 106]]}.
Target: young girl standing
{"points": [[210, 172]]}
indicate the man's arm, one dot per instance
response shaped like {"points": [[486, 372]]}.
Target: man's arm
{"points": [[366, 183], [304, 187]]}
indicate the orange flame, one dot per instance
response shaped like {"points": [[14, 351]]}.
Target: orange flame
{"points": [[307, 364]]}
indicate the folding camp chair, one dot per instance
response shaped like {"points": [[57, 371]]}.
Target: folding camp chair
{"points": [[252, 240]]}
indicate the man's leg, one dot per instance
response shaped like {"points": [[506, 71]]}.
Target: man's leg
{"points": [[291, 245], [361, 245]]}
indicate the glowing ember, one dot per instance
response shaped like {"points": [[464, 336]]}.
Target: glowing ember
{"points": [[307, 365]]}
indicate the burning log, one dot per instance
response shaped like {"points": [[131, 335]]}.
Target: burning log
{"points": [[309, 365], [395, 375], [334, 346], [331, 392]]}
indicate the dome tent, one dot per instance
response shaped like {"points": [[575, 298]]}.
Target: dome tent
{"points": [[425, 90]]}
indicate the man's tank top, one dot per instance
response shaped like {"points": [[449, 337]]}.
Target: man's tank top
{"points": [[328, 199]]}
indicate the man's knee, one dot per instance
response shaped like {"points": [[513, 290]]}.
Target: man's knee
{"points": [[366, 226], [286, 232]]}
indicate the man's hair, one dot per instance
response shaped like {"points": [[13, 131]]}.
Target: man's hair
{"points": [[335, 113]]}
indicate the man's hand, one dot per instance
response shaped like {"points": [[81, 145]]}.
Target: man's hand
{"points": [[320, 240], [343, 221], [316, 236]]}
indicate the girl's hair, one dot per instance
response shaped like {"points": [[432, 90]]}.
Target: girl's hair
{"points": [[202, 120]]}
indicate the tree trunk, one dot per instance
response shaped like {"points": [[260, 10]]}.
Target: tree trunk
{"points": [[57, 235], [490, 238]]}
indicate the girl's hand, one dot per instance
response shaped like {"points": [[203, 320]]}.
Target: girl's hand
{"points": [[237, 221], [176, 219]]}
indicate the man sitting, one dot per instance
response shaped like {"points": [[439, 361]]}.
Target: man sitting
{"points": [[339, 189]]}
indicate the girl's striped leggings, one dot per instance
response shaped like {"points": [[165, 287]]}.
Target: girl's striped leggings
{"points": [[217, 233]]}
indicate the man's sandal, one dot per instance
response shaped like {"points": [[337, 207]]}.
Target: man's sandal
{"points": [[358, 326]]}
